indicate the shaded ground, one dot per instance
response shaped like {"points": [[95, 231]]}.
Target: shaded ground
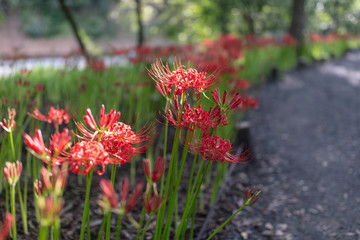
{"points": [[306, 137]]}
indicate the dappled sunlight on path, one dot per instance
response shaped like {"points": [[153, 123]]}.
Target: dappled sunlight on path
{"points": [[306, 137]]}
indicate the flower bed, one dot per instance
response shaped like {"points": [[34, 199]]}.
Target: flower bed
{"points": [[177, 144]]}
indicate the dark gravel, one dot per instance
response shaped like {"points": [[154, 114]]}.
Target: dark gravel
{"points": [[306, 141]]}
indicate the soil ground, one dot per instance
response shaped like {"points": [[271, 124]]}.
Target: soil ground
{"points": [[306, 141]]}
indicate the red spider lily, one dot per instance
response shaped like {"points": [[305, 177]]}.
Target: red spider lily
{"points": [[55, 116], [236, 102], [289, 40], [85, 155], [218, 117], [124, 190], [106, 120], [108, 190], [12, 172], [214, 148], [202, 119], [40, 87], [196, 117], [180, 78], [52, 182], [120, 141], [97, 65], [20, 82], [49, 209], [158, 171], [241, 85], [9, 124], [248, 102], [119, 51], [152, 203], [146, 167], [25, 71], [131, 202], [59, 142], [39, 187], [250, 196], [220, 54], [6, 226], [35, 143], [164, 90]]}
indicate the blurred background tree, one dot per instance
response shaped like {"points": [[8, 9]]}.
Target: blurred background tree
{"points": [[180, 20]]}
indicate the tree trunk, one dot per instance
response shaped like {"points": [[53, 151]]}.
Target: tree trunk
{"points": [[140, 39], [223, 16], [74, 28], [298, 23], [249, 21]]}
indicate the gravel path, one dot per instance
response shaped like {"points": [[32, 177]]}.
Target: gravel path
{"points": [[306, 140]]}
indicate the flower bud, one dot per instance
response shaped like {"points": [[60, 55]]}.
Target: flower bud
{"points": [[124, 190], [9, 124], [251, 197], [152, 203], [49, 209], [38, 187], [12, 172], [159, 169], [108, 190], [130, 204], [6, 226], [89, 119], [146, 167]]}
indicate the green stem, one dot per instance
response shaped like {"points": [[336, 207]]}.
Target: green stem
{"points": [[119, 225], [22, 209], [188, 208], [108, 221], [43, 233], [102, 227], [6, 197], [27, 174], [158, 216], [191, 176], [145, 227], [13, 211], [170, 182], [191, 188], [192, 223], [173, 203], [86, 206], [52, 232], [57, 228], [229, 219], [140, 223], [12, 146]]}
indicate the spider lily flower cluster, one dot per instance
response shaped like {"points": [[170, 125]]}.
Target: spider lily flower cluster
{"points": [[12, 172], [186, 91], [9, 124], [102, 143], [56, 116], [195, 108]]}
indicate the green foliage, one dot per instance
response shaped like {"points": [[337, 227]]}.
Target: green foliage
{"points": [[94, 26], [333, 16], [40, 26]]}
